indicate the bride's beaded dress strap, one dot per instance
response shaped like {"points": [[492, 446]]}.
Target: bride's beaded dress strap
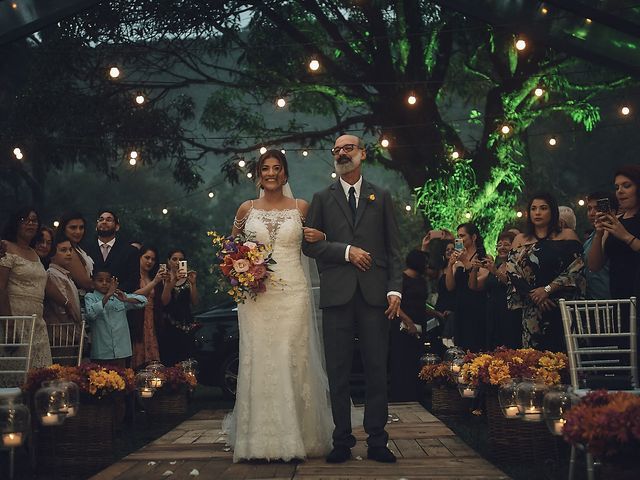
{"points": [[239, 223]]}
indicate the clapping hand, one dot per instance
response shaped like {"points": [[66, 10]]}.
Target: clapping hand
{"points": [[120, 295], [113, 286]]}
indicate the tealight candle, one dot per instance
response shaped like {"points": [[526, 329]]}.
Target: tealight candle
{"points": [[469, 392], [12, 439], [146, 392], [51, 419], [71, 411], [558, 425], [156, 382], [511, 412], [532, 414], [455, 368]]}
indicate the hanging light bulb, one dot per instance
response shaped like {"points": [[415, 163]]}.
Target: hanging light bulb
{"points": [[140, 99], [133, 154], [281, 102], [165, 211], [411, 99], [588, 20], [505, 129], [304, 153], [521, 44], [334, 174], [538, 92], [242, 163], [552, 141], [211, 194], [132, 161], [114, 72], [384, 142], [581, 202], [544, 10], [455, 155], [519, 214], [263, 150], [407, 208], [283, 151], [19, 155], [625, 110], [17, 151], [249, 175], [467, 215], [56, 223], [314, 65]]}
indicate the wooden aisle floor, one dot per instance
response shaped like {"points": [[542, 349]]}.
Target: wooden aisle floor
{"points": [[196, 449]]}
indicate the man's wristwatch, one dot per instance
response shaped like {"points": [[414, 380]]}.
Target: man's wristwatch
{"points": [[547, 288]]}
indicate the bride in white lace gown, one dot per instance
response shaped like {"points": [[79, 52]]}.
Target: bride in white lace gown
{"points": [[282, 408]]}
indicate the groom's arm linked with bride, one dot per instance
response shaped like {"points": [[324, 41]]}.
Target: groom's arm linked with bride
{"points": [[360, 271]]}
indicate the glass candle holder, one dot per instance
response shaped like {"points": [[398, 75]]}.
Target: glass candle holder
{"points": [[51, 404], [144, 385], [556, 402], [529, 396], [468, 391], [429, 359], [15, 421], [71, 395], [507, 399]]}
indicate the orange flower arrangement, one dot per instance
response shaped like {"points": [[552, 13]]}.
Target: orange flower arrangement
{"points": [[437, 374]]}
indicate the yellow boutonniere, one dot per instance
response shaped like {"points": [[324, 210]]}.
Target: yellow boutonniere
{"points": [[372, 197]]}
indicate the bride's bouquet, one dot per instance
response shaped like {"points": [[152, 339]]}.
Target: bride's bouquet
{"points": [[244, 264]]}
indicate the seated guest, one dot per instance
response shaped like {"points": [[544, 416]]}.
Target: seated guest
{"points": [[107, 314], [42, 244], [62, 302]]}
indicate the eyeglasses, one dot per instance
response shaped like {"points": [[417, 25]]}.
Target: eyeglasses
{"points": [[107, 220], [347, 148], [29, 221]]}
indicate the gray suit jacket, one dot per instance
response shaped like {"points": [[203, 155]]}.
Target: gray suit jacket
{"points": [[375, 230]]}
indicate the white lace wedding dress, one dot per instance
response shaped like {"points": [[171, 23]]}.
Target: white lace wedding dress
{"points": [[282, 408]]}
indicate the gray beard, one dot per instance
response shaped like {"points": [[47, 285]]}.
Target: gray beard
{"points": [[344, 168]]}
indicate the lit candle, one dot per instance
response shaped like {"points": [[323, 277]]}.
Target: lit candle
{"points": [[71, 412], [156, 382], [12, 439], [469, 392], [511, 412], [558, 425], [51, 419], [455, 368], [532, 414], [461, 379], [146, 392]]}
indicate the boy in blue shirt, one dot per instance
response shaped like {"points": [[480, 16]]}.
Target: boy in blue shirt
{"points": [[106, 309]]}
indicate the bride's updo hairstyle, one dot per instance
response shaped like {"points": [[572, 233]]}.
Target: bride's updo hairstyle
{"points": [[278, 155]]}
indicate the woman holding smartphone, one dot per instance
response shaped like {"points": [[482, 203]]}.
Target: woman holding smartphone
{"points": [[179, 294], [619, 236]]}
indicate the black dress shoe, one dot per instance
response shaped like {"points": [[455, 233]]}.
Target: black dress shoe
{"points": [[381, 454], [339, 455]]}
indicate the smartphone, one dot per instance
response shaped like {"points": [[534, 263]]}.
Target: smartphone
{"points": [[436, 234], [162, 267], [603, 205], [182, 266], [458, 245]]}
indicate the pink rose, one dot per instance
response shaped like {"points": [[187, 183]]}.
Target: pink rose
{"points": [[258, 271], [258, 260], [250, 245], [241, 265]]}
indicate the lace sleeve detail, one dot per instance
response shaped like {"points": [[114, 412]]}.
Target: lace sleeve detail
{"points": [[302, 217], [239, 222]]}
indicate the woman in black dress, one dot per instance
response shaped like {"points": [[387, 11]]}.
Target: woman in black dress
{"points": [[180, 293], [406, 344], [504, 326], [545, 264], [469, 327]]}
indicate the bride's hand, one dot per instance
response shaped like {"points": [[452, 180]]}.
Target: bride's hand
{"points": [[311, 235]]}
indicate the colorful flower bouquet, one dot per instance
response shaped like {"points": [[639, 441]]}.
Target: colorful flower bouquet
{"points": [[437, 374], [608, 424], [93, 380], [175, 379], [493, 368], [245, 265]]}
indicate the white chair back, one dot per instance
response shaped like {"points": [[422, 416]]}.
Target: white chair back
{"points": [[16, 347], [66, 341], [601, 338]]}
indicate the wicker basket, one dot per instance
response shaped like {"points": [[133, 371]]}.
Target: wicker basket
{"points": [[517, 441], [167, 403], [446, 400], [81, 446]]}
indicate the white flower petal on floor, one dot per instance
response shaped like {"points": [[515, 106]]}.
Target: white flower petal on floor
{"points": [[194, 472]]}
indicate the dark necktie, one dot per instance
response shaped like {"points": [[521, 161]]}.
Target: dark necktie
{"points": [[352, 202]]}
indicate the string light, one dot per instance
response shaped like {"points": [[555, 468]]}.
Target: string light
{"points": [[455, 155], [165, 211], [211, 194], [140, 99], [133, 154], [19, 156], [588, 20], [281, 102], [411, 99], [384, 142], [581, 202], [283, 151], [132, 161], [407, 208], [14, 5], [114, 72], [314, 65], [544, 10], [18, 153], [304, 153], [552, 141], [249, 175], [263, 150], [538, 92], [56, 223], [625, 110], [242, 163], [521, 44], [519, 214], [467, 215], [505, 129], [334, 174]]}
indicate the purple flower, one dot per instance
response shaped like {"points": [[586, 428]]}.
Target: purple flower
{"points": [[234, 281]]}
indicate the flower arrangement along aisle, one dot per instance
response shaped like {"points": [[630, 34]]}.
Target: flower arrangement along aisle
{"points": [[175, 379], [245, 265], [493, 368], [438, 375], [94, 381], [608, 424], [445, 398]]}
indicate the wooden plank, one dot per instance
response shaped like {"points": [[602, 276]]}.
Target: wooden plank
{"points": [[457, 447], [408, 417], [409, 448], [114, 470], [433, 447], [142, 469], [170, 436]]}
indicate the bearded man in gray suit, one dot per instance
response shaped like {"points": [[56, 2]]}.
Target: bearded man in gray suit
{"points": [[360, 282]]}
